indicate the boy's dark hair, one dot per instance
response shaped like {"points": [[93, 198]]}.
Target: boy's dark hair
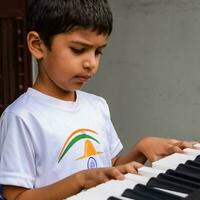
{"points": [[51, 17]]}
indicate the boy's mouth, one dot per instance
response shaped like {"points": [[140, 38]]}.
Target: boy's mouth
{"points": [[83, 79]]}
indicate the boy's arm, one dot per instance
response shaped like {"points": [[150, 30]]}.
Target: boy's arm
{"points": [[57, 191], [71, 185], [152, 148], [133, 155]]}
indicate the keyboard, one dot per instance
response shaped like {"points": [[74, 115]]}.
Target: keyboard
{"points": [[174, 177]]}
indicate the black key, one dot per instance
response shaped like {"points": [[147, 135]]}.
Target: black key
{"points": [[179, 180], [169, 185], [187, 169], [193, 163], [133, 194], [155, 192], [197, 158], [193, 196], [183, 175], [113, 198]]}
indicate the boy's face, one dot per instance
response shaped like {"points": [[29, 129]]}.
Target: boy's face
{"points": [[73, 59]]}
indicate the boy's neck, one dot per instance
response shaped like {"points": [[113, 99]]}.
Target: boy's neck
{"points": [[56, 93]]}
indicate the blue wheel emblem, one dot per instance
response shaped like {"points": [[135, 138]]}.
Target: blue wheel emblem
{"points": [[92, 163]]}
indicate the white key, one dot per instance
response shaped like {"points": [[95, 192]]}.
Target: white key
{"points": [[197, 145], [105, 190], [122, 198], [137, 178], [189, 151], [172, 161], [144, 179], [149, 171], [173, 192]]}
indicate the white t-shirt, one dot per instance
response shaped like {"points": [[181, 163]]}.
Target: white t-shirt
{"points": [[44, 139]]}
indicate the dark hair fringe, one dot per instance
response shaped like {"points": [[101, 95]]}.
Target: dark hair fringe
{"points": [[51, 17]]}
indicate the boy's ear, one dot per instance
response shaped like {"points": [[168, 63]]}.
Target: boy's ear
{"points": [[35, 45]]}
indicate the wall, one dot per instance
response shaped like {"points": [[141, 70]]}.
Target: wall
{"points": [[150, 71]]}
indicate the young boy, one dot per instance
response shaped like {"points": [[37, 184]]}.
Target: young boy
{"points": [[54, 139]]}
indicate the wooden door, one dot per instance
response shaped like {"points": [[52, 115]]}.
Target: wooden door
{"points": [[15, 65]]}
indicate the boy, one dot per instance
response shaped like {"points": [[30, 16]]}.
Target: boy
{"points": [[56, 140]]}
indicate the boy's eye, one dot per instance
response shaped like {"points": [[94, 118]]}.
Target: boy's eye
{"points": [[78, 50], [81, 50]]}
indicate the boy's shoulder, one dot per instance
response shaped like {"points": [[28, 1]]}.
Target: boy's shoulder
{"points": [[32, 100], [19, 105], [94, 101], [91, 97]]}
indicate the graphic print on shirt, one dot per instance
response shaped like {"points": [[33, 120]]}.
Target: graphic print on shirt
{"points": [[89, 137]]}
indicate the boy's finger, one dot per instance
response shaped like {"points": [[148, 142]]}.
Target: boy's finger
{"points": [[103, 177], [156, 157], [189, 144], [185, 144], [131, 169], [137, 165], [177, 149], [115, 173], [173, 141]]}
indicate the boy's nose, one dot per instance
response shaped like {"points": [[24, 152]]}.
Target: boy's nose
{"points": [[91, 62], [86, 64]]}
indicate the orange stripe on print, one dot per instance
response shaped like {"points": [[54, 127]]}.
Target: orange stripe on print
{"points": [[74, 133]]}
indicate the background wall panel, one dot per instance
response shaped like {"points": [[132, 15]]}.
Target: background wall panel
{"points": [[15, 68], [150, 71]]}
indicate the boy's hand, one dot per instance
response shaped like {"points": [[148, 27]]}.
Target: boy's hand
{"points": [[75, 183], [131, 167], [92, 177], [154, 148]]}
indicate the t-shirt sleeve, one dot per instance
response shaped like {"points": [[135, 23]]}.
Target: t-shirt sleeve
{"points": [[17, 159], [115, 144]]}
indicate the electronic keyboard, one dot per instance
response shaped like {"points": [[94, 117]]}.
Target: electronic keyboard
{"points": [[174, 177]]}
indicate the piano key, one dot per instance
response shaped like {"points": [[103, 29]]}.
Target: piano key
{"points": [[183, 175], [188, 169], [193, 163], [149, 171], [183, 195], [149, 193], [197, 145], [105, 190], [168, 185], [179, 180], [137, 178], [144, 180], [137, 195], [189, 151], [194, 196], [118, 198], [113, 198], [197, 158], [172, 161]]}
